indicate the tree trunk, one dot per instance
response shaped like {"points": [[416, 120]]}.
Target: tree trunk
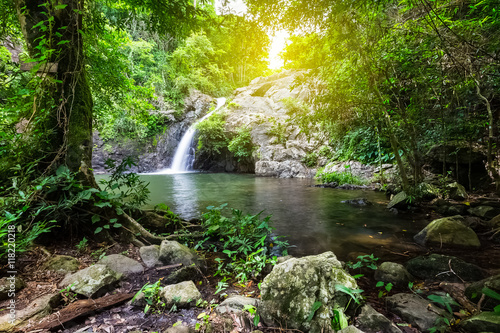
{"points": [[68, 99]]}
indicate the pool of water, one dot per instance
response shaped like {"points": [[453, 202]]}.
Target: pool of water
{"points": [[313, 219]]}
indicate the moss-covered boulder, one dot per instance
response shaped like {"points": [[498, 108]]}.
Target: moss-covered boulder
{"points": [[62, 264], [393, 273], [290, 292], [437, 267], [448, 231], [484, 212], [483, 322], [172, 252], [91, 281], [495, 222], [182, 294], [456, 191], [9, 285], [398, 201], [474, 292], [150, 255]]}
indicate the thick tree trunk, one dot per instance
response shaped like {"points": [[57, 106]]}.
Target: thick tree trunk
{"points": [[53, 33]]}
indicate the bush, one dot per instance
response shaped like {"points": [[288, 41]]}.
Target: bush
{"points": [[242, 145], [279, 131], [337, 177], [211, 135], [361, 145], [310, 160]]}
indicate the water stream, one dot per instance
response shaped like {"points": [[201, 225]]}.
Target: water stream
{"points": [[314, 219]]}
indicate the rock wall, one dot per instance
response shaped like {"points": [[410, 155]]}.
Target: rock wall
{"points": [[154, 153], [259, 106]]}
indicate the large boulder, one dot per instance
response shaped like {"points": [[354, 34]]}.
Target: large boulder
{"points": [[416, 310], [474, 291], [456, 191], [121, 264], [289, 292], [393, 273], [371, 321], [483, 322], [484, 212], [172, 252], [150, 255], [448, 231], [437, 267], [182, 294], [91, 281], [62, 264], [398, 201]]}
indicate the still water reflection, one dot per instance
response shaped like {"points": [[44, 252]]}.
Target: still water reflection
{"points": [[313, 219]]}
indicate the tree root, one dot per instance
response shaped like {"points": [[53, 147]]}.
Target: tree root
{"points": [[137, 232]]}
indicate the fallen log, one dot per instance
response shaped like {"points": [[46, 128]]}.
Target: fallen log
{"points": [[78, 309]]}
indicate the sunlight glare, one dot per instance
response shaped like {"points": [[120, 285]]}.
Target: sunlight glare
{"points": [[278, 43]]}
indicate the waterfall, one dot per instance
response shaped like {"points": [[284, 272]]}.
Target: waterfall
{"points": [[184, 155]]}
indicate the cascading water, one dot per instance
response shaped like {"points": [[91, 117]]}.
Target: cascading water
{"points": [[184, 155]]}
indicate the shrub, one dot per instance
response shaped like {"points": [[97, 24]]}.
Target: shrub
{"points": [[338, 177], [211, 135], [242, 145], [310, 160]]}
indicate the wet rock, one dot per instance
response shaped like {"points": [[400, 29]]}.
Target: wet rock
{"points": [[357, 202], [172, 252], [62, 264], [179, 329], [9, 285], [121, 264], [457, 191], [291, 289], [371, 321], [91, 281], [398, 201], [182, 294], [483, 322], [393, 273], [37, 309], [484, 212], [150, 255], [188, 273], [416, 310], [428, 191], [437, 267], [235, 304], [474, 291], [448, 231]]}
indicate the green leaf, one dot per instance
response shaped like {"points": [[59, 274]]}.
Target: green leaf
{"points": [[256, 320], [95, 218], [97, 230], [314, 308], [117, 225], [106, 226], [379, 284], [491, 293]]}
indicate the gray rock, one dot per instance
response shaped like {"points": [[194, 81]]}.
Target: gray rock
{"points": [[398, 201], [474, 291], [437, 267], [457, 191], [179, 329], [484, 212], [357, 202], [150, 255], [290, 290], [121, 264], [416, 310], [9, 285], [448, 231], [235, 304], [91, 281], [428, 191], [62, 264], [370, 321], [188, 273], [37, 309], [393, 273], [172, 252], [483, 322], [182, 294]]}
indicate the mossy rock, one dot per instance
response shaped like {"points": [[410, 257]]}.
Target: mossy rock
{"points": [[448, 231], [91, 281], [398, 201], [474, 291], [62, 264], [437, 267], [290, 291], [483, 322]]}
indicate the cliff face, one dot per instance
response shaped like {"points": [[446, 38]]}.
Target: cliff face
{"points": [[154, 153], [260, 107]]}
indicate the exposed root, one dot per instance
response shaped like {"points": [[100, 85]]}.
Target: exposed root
{"points": [[137, 231]]}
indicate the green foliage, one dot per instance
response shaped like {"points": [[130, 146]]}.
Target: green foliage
{"points": [[211, 135], [369, 261], [387, 288], [252, 310], [361, 144], [310, 160], [152, 297], [244, 239], [337, 177], [241, 145], [279, 131]]}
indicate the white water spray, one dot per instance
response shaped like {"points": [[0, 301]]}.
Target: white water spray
{"points": [[184, 155]]}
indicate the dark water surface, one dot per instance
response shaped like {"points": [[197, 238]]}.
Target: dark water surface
{"points": [[313, 219]]}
